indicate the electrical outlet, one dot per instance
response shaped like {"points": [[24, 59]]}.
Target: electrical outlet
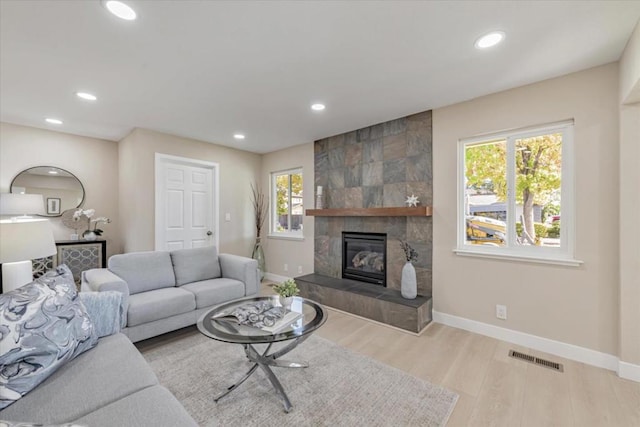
{"points": [[286, 267], [501, 312], [299, 269]]}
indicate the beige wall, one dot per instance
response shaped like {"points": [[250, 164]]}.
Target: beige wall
{"points": [[279, 251], [238, 169], [576, 305], [93, 161], [630, 69], [630, 201]]}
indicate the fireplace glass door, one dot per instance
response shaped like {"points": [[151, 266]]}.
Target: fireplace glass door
{"points": [[364, 257]]}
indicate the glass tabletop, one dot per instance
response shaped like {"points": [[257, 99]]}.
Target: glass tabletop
{"points": [[217, 325]]}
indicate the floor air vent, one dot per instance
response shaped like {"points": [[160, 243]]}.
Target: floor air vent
{"points": [[536, 360]]}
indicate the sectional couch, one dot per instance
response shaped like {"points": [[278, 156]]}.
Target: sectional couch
{"points": [[63, 361], [77, 368]]}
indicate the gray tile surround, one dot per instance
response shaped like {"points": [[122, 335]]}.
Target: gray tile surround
{"points": [[372, 167], [377, 166]]}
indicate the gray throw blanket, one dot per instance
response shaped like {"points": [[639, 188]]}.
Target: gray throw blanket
{"points": [[105, 310]]}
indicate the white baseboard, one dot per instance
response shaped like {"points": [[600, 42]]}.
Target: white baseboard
{"points": [[275, 277], [558, 348], [629, 371]]}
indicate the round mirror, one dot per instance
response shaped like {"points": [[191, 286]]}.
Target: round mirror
{"points": [[60, 189]]}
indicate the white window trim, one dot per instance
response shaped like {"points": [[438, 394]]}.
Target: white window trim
{"points": [[564, 255], [285, 235]]}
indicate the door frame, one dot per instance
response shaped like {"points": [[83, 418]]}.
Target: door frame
{"points": [[162, 159]]}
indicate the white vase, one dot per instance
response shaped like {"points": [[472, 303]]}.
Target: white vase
{"points": [[408, 283], [286, 302]]}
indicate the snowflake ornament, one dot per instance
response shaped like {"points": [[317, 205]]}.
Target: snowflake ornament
{"points": [[412, 201]]}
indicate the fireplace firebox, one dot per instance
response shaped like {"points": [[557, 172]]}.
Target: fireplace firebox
{"points": [[364, 257]]}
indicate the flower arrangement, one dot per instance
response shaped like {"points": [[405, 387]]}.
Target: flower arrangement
{"points": [[410, 254], [97, 221], [81, 215], [288, 288]]}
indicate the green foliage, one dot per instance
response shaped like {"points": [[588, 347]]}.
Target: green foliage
{"points": [[550, 210], [282, 191], [554, 230], [538, 167], [288, 288], [541, 229], [538, 164], [486, 168]]}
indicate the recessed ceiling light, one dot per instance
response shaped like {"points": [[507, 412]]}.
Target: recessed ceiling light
{"points": [[87, 96], [238, 136], [120, 9], [318, 107], [53, 121], [489, 40]]}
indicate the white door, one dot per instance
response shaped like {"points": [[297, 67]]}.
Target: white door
{"points": [[186, 208]]}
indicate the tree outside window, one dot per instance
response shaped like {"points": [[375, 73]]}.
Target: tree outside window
{"points": [[288, 209], [513, 194]]}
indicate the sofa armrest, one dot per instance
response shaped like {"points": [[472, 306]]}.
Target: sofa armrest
{"points": [[100, 280], [243, 269]]}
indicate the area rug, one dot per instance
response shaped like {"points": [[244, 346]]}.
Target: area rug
{"points": [[339, 388]]}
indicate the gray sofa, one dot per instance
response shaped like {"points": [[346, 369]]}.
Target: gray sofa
{"points": [[165, 291], [64, 361], [109, 385]]}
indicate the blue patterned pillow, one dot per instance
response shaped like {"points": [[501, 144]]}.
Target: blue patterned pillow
{"points": [[43, 325]]}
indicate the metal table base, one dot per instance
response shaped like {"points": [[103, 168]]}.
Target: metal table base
{"points": [[264, 361]]}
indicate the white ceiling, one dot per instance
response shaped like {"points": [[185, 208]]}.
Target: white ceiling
{"points": [[209, 69]]}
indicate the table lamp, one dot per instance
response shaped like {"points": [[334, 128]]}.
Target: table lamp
{"points": [[22, 240]]}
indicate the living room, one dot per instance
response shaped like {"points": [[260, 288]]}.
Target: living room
{"points": [[585, 312]]}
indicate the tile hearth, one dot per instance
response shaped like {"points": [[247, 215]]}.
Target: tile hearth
{"points": [[371, 301]]}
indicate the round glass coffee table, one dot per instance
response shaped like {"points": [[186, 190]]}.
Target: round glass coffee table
{"points": [[214, 325]]}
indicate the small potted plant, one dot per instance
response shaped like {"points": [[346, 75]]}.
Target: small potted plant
{"points": [[287, 290]]}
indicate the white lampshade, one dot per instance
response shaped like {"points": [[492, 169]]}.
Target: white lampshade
{"points": [[21, 204], [25, 239]]}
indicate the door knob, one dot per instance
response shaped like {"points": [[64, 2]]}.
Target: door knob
{"points": [[209, 233]]}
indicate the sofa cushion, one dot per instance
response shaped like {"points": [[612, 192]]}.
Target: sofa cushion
{"points": [[151, 407], [192, 265], [215, 291], [159, 304], [105, 310], [144, 271], [105, 374], [43, 325]]}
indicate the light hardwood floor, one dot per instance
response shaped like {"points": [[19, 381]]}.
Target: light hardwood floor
{"points": [[494, 389]]}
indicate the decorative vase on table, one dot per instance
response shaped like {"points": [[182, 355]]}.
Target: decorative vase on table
{"points": [[258, 255], [408, 283], [89, 235], [286, 302]]}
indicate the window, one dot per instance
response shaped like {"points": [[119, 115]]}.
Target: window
{"points": [[287, 209], [516, 195]]}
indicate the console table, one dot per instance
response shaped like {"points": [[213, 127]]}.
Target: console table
{"points": [[79, 255]]}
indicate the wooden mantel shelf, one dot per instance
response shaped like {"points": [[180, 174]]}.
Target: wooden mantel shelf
{"points": [[402, 211]]}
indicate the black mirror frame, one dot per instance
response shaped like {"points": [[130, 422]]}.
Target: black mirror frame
{"points": [[84, 193]]}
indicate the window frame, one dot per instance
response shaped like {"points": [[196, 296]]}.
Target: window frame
{"points": [[286, 234], [565, 253]]}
